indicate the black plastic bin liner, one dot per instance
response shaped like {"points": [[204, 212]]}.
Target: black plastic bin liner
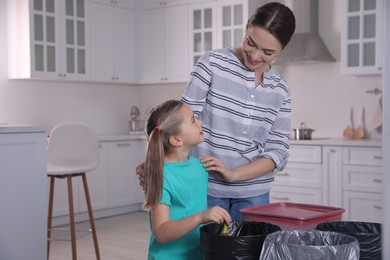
{"points": [[309, 245], [243, 241], [367, 234]]}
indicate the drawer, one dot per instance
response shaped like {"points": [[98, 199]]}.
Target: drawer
{"points": [[361, 206], [362, 156], [305, 153], [362, 178], [300, 175], [297, 195]]}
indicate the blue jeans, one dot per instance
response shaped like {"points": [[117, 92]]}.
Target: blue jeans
{"points": [[233, 206]]}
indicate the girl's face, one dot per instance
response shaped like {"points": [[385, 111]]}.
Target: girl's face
{"points": [[191, 128], [259, 48]]}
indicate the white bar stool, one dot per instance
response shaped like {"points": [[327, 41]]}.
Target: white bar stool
{"points": [[72, 151]]}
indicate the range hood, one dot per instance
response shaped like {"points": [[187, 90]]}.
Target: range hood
{"points": [[306, 45]]}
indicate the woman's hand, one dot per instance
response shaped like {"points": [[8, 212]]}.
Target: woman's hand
{"points": [[216, 168]]}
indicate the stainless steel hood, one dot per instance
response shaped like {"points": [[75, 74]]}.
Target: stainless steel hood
{"points": [[306, 45]]}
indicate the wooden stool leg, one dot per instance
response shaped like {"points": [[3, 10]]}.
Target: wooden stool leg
{"points": [[90, 213], [50, 214], [71, 216]]}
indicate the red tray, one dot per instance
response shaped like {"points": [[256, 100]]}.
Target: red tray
{"points": [[290, 216]]}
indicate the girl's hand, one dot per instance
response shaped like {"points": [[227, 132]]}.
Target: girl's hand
{"points": [[215, 214], [216, 168]]}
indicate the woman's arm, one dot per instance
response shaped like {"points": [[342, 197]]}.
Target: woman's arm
{"points": [[166, 230]]}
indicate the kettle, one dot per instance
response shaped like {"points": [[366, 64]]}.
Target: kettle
{"points": [[303, 133]]}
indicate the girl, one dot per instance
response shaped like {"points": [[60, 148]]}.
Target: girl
{"points": [[176, 184]]}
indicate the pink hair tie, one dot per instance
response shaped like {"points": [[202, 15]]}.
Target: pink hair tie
{"points": [[158, 128]]}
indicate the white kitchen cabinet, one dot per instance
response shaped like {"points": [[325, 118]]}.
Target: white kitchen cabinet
{"points": [[124, 187], [231, 22], [23, 194], [216, 24], [47, 39], [361, 37], [112, 41], [302, 180], [362, 183], [164, 37], [202, 28]]}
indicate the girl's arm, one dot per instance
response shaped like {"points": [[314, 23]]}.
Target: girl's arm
{"points": [[249, 171], [166, 230]]}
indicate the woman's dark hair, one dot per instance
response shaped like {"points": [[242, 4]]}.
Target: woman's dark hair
{"points": [[164, 121], [277, 19]]}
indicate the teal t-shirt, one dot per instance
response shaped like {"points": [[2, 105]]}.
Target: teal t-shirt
{"points": [[185, 192]]}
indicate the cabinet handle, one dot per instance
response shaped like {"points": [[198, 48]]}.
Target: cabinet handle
{"points": [[378, 207], [378, 180], [123, 144], [377, 157], [280, 198], [282, 174], [332, 150]]}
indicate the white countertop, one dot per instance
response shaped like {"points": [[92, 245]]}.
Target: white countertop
{"points": [[315, 141], [339, 142], [8, 129], [122, 137]]}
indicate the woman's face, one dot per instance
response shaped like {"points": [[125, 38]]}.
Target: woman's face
{"points": [[259, 48]]}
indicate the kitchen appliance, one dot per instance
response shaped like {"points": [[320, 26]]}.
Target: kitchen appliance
{"points": [[135, 125], [303, 133], [306, 45]]}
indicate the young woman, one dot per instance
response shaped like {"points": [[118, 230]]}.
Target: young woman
{"points": [[245, 106], [175, 184]]}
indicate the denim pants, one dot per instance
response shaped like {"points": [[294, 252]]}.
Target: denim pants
{"points": [[233, 206]]}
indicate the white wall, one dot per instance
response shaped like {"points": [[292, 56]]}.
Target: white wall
{"points": [[321, 96]]}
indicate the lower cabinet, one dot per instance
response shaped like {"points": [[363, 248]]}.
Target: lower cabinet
{"points": [[113, 185], [342, 175], [362, 184], [302, 180]]}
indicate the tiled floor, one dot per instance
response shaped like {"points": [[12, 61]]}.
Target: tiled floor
{"points": [[122, 237]]}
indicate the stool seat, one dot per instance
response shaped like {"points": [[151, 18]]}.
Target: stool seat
{"points": [[72, 151]]}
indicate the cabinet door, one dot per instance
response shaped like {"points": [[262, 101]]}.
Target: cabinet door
{"points": [[152, 54], [176, 44], [361, 37], [46, 40], [124, 45], [363, 206], [74, 51], [121, 173], [102, 42], [97, 183], [296, 195], [202, 29], [231, 22]]}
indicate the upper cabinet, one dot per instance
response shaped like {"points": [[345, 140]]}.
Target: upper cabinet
{"points": [[164, 42], [361, 37], [112, 45], [216, 24], [47, 39]]}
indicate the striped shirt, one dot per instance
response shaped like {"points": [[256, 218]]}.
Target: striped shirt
{"points": [[241, 122]]}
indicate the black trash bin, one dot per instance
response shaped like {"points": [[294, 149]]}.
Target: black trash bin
{"points": [[243, 241], [367, 234], [309, 245]]}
